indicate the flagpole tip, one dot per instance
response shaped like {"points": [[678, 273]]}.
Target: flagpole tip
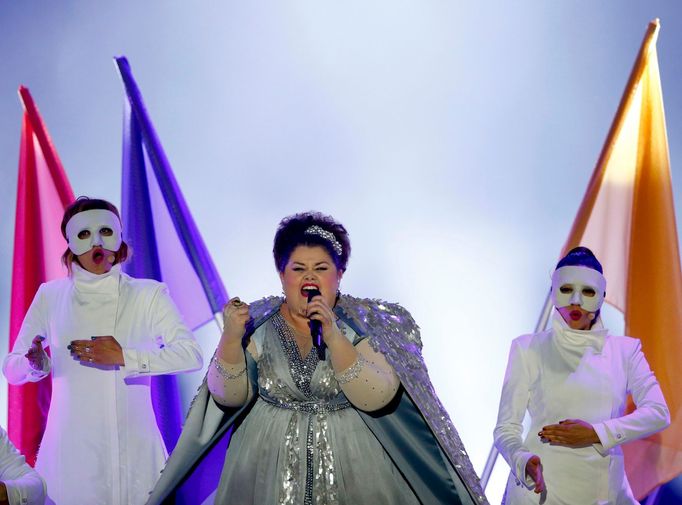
{"points": [[653, 29], [121, 61], [655, 25], [24, 95]]}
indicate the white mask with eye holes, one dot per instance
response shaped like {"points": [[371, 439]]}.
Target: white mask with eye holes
{"points": [[90, 228], [576, 285]]}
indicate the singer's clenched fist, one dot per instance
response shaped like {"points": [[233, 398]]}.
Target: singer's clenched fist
{"points": [[235, 317]]}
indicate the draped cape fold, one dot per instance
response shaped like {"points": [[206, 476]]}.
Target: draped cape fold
{"points": [[414, 429]]}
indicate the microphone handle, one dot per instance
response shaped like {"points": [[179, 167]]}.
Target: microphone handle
{"points": [[318, 341], [316, 329]]}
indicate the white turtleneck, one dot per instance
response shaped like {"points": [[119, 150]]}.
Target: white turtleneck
{"points": [[571, 344]]}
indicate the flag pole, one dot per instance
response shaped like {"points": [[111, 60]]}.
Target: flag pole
{"points": [[186, 229], [590, 197], [54, 164], [218, 318], [543, 319]]}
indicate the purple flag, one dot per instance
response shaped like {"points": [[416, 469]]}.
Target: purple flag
{"points": [[156, 218]]}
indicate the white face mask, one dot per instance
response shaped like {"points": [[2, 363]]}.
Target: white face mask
{"points": [[97, 227], [581, 286]]}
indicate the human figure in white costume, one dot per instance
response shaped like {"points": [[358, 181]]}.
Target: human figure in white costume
{"points": [[19, 483], [573, 380], [108, 333]]}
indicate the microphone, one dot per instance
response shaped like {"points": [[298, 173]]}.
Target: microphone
{"points": [[316, 329]]}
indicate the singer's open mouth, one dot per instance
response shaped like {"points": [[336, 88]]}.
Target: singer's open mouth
{"points": [[309, 286]]}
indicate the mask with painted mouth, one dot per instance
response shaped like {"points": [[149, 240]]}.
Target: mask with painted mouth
{"points": [[576, 285], [92, 228]]}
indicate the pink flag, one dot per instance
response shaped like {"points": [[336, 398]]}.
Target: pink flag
{"points": [[43, 192]]}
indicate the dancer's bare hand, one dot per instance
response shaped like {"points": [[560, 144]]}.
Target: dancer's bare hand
{"points": [[4, 498], [36, 355], [534, 471], [572, 433], [103, 350]]}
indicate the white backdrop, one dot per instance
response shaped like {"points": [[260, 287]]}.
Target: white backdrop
{"points": [[453, 139]]}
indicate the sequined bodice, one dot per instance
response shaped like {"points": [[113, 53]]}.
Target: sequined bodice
{"points": [[284, 376], [308, 389]]}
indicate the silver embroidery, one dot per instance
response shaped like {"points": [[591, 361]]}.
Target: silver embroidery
{"points": [[352, 371], [314, 407], [291, 478], [224, 372], [309, 462], [301, 369], [325, 478], [320, 481]]}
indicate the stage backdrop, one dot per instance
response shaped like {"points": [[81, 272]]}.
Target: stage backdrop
{"points": [[454, 140]]}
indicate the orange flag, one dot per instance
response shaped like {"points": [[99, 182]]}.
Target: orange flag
{"points": [[43, 192], [627, 218]]}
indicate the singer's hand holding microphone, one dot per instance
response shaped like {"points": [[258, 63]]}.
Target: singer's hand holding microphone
{"points": [[318, 311]]}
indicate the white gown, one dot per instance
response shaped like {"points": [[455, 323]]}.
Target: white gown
{"points": [[569, 374], [101, 444]]}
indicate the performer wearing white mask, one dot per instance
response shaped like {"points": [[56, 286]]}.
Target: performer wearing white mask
{"points": [[573, 380], [108, 334]]}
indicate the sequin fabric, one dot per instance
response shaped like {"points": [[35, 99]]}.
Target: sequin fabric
{"points": [[302, 369], [352, 371], [320, 479], [392, 332], [224, 372], [291, 479]]}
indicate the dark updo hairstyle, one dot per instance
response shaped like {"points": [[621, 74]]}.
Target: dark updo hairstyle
{"points": [[82, 204], [291, 233], [580, 257]]}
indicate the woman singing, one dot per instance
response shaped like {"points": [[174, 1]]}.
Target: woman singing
{"points": [[347, 418]]}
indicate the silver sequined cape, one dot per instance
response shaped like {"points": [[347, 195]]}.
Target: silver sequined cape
{"points": [[390, 330]]}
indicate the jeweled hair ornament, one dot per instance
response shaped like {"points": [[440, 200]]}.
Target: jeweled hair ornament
{"points": [[327, 235]]}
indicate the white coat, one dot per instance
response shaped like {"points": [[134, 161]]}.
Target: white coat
{"points": [[101, 444], [569, 374], [24, 485]]}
